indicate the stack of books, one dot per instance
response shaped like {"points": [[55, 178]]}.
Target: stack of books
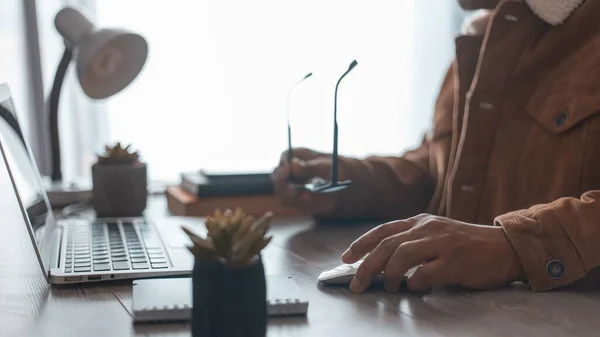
{"points": [[200, 193]]}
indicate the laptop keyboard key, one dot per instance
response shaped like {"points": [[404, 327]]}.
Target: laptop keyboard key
{"points": [[101, 267], [141, 265], [120, 265], [158, 260], [119, 259], [82, 269], [138, 259], [161, 265]]}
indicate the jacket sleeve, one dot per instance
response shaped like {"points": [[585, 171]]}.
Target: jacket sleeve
{"points": [[395, 187], [557, 243]]}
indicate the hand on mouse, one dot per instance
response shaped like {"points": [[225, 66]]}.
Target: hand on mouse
{"points": [[449, 252], [306, 164]]}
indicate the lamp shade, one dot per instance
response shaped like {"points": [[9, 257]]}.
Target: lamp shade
{"points": [[106, 60]]}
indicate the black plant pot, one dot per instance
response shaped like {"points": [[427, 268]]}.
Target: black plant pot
{"points": [[229, 302]]}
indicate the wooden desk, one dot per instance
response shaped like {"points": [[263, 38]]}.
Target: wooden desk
{"points": [[31, 307]]}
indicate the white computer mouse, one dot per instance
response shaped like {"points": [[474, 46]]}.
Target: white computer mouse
{"points": [[343, 274]]}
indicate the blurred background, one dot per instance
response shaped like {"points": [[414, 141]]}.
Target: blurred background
{"points": [[213, 92]]}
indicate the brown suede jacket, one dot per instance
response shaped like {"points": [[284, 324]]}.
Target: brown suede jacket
{"points": [[515, 143]]}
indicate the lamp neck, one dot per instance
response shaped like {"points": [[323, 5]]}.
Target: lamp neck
{"points": [[61, 72]]}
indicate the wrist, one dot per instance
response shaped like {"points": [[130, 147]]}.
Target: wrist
{"points": [[516, 271]]}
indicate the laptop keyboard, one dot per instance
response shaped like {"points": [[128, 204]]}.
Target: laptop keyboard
{"points": [[113, 245]]}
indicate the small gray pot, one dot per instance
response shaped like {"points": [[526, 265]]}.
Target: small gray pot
{"points": [[119, 190]]}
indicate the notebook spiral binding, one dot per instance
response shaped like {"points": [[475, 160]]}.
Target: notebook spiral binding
{"points": [[286, 307], [174, 296]]}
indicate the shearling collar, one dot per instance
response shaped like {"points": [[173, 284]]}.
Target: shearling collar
{"points": [[553, 12]]}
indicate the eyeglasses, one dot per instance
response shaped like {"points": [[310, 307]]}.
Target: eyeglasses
{"points": [[318, 184]]}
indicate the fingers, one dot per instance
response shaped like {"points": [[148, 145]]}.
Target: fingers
{"points": [[376, 261], [428, 275], [280, 174], [302, 169], [300, 153], [299, 198], [405, 257], [368, 241], [306, 170]]}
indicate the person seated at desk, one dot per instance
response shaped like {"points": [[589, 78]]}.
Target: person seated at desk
{"points": [[505, 187]]}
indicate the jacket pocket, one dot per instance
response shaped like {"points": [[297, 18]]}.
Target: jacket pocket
{"points": [[559, 111]]}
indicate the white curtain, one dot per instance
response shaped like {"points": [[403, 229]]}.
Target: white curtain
{"points": [[14, 69], [214, 89]]}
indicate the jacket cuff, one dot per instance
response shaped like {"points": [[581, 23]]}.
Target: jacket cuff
{"points": [[543, 246]]}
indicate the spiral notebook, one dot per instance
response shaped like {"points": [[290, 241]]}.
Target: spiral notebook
{"points": [[170, 299]]}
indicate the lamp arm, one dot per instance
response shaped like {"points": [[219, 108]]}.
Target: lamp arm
{"points": [[59, 77]]}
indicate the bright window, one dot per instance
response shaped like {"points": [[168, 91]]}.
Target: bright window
{"points": [[214, 89]]}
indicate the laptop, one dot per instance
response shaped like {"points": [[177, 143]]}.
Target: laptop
{"points": [[78, 250]]}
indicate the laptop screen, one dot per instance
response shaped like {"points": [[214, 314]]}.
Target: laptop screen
{"points": [[26, 180]]}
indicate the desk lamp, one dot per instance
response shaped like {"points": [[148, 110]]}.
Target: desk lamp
{"points": [[107, 60]]}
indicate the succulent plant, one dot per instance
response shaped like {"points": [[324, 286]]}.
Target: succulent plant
{"points": [[118, 155], [233, 238]]}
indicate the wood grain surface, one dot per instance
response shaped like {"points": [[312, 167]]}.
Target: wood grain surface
{"points": [[31, 307]]}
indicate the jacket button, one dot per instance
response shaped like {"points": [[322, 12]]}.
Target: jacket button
{"points": [[555, 269], [560, 119]]}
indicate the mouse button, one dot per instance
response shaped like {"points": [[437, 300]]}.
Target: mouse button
{"points": [[328, 274], [356, 264], [343, 268]]}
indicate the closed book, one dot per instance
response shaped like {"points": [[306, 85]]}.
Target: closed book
{"points": [[208, 184], [181, 202]]}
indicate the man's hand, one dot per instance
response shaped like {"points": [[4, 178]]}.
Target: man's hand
{"points": [[306, 164], [449, 252]]}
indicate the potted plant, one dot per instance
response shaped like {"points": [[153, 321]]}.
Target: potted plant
{"points": [[228, 280], [120, 185]]}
